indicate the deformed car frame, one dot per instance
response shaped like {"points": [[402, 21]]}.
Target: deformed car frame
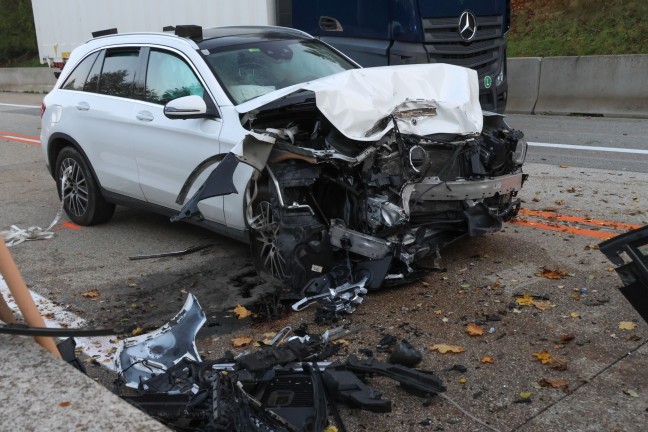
{"points": [[362, 174]]}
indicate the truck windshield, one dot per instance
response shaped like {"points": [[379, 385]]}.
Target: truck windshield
{"points": [[250, 70]]}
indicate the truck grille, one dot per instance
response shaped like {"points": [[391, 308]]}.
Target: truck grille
{"points": [[482, 53]]}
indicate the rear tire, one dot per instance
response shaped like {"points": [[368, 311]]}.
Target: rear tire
{"points": [[82, 199]]}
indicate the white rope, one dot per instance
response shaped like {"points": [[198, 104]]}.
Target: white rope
{"points": [[15, 235], [446, 397]]}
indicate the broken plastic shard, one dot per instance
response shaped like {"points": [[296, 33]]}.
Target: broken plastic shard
{"points": [[142, 357]]}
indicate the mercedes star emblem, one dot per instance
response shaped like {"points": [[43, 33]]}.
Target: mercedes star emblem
{"points": [[467, 25]]}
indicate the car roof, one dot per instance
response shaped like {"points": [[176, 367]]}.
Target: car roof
{"points": [[216, 37]]}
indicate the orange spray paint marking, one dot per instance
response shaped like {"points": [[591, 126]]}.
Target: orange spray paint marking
{"points": [[16, 137], [68, 225], [564, 229], [577, 219]]}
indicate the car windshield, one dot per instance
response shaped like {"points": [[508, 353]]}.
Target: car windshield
{"points": [[250, 70]]}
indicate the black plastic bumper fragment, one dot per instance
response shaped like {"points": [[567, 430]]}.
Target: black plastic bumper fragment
{"points": [[633, 274], [220, 182], [412, 380], [347, 388]]}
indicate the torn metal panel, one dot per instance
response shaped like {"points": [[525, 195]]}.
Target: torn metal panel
{"points": [[363, 244], [142, 357]]}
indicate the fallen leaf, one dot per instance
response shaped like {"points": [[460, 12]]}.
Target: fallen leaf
{"points": [[486, 359], [563, 166], [525, 300], [463, 380], [631, 393], [241, 312], [65, 404], [241, 341], [137, 331], [543, 356], [92, 294], [560, 202], [553, 383], [342, 342], [543, 304], [627, 325], [525, 395], [438, 312], [474, 330], [559, 363], [567, 338], [444, 348], [574, 315], [331, 428], [552, 274]]}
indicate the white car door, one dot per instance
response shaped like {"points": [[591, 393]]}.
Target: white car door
{"points": [[97, 115], [167, 151]]}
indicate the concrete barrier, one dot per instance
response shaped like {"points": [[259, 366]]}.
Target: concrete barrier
{"points": [[615, 86], [524, 83], [35, 80]]}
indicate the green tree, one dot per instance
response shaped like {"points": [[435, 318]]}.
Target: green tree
{"points": [[17, 33]]}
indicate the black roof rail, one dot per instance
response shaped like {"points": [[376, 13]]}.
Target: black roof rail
{"points": [[189, 31], [112, 31]]}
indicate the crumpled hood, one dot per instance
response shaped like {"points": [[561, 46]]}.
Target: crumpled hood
{"points": [[425, 99]]}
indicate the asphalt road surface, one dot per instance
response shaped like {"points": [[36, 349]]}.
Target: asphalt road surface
{"points": [[483, 275]]}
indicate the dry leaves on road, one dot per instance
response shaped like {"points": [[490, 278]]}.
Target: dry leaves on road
{"points": [[627, 325], [241, 312], [552, 274], [241, 341], [474, 330], [543, 357], [445, 348], [92, 294], [528, 300], [554, 383], [486, 359]]}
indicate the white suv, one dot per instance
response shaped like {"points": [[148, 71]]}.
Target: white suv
{"points": [[333, 173]]}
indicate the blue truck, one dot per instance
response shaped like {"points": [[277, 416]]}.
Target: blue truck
{"points": [[469, 33]]}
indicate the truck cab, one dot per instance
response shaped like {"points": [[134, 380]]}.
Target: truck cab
{"points": [[467, 33]]}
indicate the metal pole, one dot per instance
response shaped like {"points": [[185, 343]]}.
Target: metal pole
{"points": [[23, 298]]}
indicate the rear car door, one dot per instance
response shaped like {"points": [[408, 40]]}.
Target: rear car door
{"points": [[97, 113]]}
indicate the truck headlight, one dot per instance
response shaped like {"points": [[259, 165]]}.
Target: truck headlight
{"points": [[500, 78]]}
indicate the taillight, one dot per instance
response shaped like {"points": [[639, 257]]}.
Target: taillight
{"points": [[42, 109]]}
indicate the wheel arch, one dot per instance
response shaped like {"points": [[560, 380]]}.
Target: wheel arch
{"points": [[57, 142]]}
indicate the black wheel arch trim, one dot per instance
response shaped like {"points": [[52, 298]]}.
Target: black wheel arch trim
{"points": [[54, 151]]}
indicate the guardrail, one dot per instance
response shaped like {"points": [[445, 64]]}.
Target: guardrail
{"points": [[615, 86]]}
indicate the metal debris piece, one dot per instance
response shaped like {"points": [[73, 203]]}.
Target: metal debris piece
{"points": [[171, 254]]}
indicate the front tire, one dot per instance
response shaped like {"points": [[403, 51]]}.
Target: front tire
{"points": [[82, 200]]}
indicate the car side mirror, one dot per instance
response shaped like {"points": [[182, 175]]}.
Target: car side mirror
{"points": [[186, 107]]}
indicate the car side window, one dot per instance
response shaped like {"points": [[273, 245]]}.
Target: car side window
{"points": [[118, 72], [169, 77], [78, 76]]}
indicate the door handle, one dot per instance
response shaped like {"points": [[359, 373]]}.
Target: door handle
{"points": [[83, 106], [144, 116], [327, 23]]}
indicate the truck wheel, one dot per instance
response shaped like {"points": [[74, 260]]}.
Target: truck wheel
{"points": [[81, 197]]}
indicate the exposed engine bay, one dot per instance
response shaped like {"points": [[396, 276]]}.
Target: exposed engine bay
{"points": [[334, 203]]}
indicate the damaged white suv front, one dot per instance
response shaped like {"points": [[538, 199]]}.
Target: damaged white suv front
{"points": [[361, 175]]}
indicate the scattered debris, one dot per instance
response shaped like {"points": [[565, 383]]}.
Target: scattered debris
{"points": [[241, 312], [405, 354], [627, 325], [91, 294], [282, 387], [171, 254], [474, 330]]}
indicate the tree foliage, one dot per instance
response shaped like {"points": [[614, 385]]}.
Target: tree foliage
{"points": [[17, 33]]}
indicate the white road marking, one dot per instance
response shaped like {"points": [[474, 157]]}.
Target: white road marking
{"points": [[102, 348], [20, 106], [590, 148]]}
